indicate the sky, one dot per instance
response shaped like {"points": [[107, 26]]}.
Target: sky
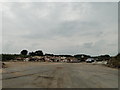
{"points": [[60, 28]]}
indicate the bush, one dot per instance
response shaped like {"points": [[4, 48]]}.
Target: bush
{"points": [[114, 61]]}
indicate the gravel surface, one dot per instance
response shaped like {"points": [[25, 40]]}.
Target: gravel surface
{"points": [[58, 75]]}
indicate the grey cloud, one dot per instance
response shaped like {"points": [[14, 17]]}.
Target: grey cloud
{"points": [[88, 45], [67, 29], [61, 27]]}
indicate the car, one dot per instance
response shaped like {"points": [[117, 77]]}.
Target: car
{"points": [[90, 60]]}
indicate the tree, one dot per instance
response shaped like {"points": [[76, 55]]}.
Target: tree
{"points": [[104, 57], [24, 52], [46, 54], [7, 57], [39, 53], [32, 54], [118, 57]]}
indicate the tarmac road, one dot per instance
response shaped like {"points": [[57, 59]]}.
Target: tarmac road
{"points": [[58, 75]]}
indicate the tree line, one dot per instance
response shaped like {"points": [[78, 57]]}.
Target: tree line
{"points": [[25, 54], [36, 53]]}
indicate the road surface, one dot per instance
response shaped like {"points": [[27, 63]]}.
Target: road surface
{"points": [[58, 75]]}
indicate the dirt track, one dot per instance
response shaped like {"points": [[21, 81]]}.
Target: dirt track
{"points": [[58, 75]]}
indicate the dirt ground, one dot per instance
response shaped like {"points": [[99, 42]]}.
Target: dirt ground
{"points": [[58, 75]]}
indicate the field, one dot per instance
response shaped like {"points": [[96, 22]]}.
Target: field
{"points": [[58, 75]]}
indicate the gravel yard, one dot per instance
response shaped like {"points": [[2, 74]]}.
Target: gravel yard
{"points": [[58, 75]]}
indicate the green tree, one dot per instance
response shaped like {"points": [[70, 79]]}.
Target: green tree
{"points": [[24, 52], [39, 53]]}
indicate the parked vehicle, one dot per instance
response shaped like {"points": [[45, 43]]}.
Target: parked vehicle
{"points": [[90, 60]]}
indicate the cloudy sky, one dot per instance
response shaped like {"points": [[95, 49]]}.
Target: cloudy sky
{"points": [[60, 28]]}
